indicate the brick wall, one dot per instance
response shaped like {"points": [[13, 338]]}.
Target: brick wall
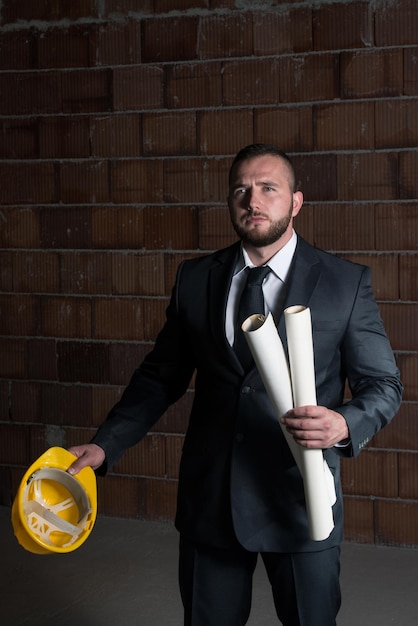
{"points": [[119, 120]]}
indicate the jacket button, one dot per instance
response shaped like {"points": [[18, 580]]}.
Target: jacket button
{"points": [[246, 389]]}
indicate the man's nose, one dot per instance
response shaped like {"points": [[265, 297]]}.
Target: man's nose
{"points": [[252, 200]]}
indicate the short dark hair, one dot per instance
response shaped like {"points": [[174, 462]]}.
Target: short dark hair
{"points": [[262, 149]]}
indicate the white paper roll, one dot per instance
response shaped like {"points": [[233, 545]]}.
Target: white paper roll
{"points": [[286, 390]]}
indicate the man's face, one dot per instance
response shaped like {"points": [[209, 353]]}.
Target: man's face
{"points": [[261, 201]]}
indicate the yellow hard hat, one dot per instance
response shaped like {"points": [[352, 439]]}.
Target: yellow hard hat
{"points": [[53, 511]]}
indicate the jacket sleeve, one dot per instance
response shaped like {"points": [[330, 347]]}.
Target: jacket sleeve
{"points": [[371, 371]]}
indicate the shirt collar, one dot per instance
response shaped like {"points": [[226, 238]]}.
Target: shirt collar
{"points": [[279, 263]]}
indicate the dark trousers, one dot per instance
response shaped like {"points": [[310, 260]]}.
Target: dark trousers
{"points": [[216, 585]]}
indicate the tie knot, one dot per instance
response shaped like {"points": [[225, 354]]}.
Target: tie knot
{"points": [[256, 275]]}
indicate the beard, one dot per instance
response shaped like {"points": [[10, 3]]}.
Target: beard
{"points": [[259, 239]]}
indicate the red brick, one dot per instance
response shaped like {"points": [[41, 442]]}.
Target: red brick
{"points": [[396, 124], [85, 272], [67, 404], [25, 402], [408, 365], [103, 398], [64, 137], [137, 87], [160, 499], [225, 35], [124, 358], [385, 272], [170, 228], [408, 268], [225, 132], [137, 180], [6, 271], [371, 74], [116, 43], [173, 39], [306, 78], [85, 91], [341, 26], [408, 475], [396, 523], [408, 184], [400, 320], [65, 227], [154, 316], [5, 401], [283, 32], [19, 315], [251, 82], [344, 126], [120, 496], [137, 274], [164, 6], [145, 459], [19, 139], [30, 93], [19, 228], [396, 226], [13, 444], [116, 8], [194, 86], [215, 230], [118, 227], [396, 24], [358, 519], [336, 226], [13, 361], [84, 182], [27, 183], [35, 272], [365, 176], [290, 128], [169, 133], [115, 135], [191, 180], [16, 50], [26, 10], [372, 473], [63, 47], [118, 318], [317, 176], [410, 78], [66, 317], [41, 359], [83, 362], [402, 432]]}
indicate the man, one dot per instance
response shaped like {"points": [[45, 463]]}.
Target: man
{"points": [[240, 493]]}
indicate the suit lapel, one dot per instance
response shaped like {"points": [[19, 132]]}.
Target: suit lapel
{"points": [[302, 280], [219, 283]]}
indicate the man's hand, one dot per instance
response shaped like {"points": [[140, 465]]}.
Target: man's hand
{"points": [[315, 426], [87, 455]]}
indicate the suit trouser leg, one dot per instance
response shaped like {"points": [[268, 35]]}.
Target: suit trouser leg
{"points": [[306, 586], [216, 585]]}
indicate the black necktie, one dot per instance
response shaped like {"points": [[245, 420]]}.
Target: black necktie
{"points": [[251, 302]]}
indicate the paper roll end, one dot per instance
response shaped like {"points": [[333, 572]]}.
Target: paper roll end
{"points": [[254, 322]]}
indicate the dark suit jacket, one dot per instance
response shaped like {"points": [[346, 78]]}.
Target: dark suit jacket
{"points": [[237, 475]]}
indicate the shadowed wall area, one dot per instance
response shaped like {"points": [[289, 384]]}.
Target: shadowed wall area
{"points": [[118, 122]]}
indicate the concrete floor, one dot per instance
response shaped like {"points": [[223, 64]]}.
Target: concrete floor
{"points": [[126, 574]]}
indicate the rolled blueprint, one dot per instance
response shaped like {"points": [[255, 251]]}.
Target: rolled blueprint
{"points": [[287, 389]]}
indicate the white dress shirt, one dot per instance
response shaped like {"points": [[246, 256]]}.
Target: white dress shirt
{"points": [[272, 285]]}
